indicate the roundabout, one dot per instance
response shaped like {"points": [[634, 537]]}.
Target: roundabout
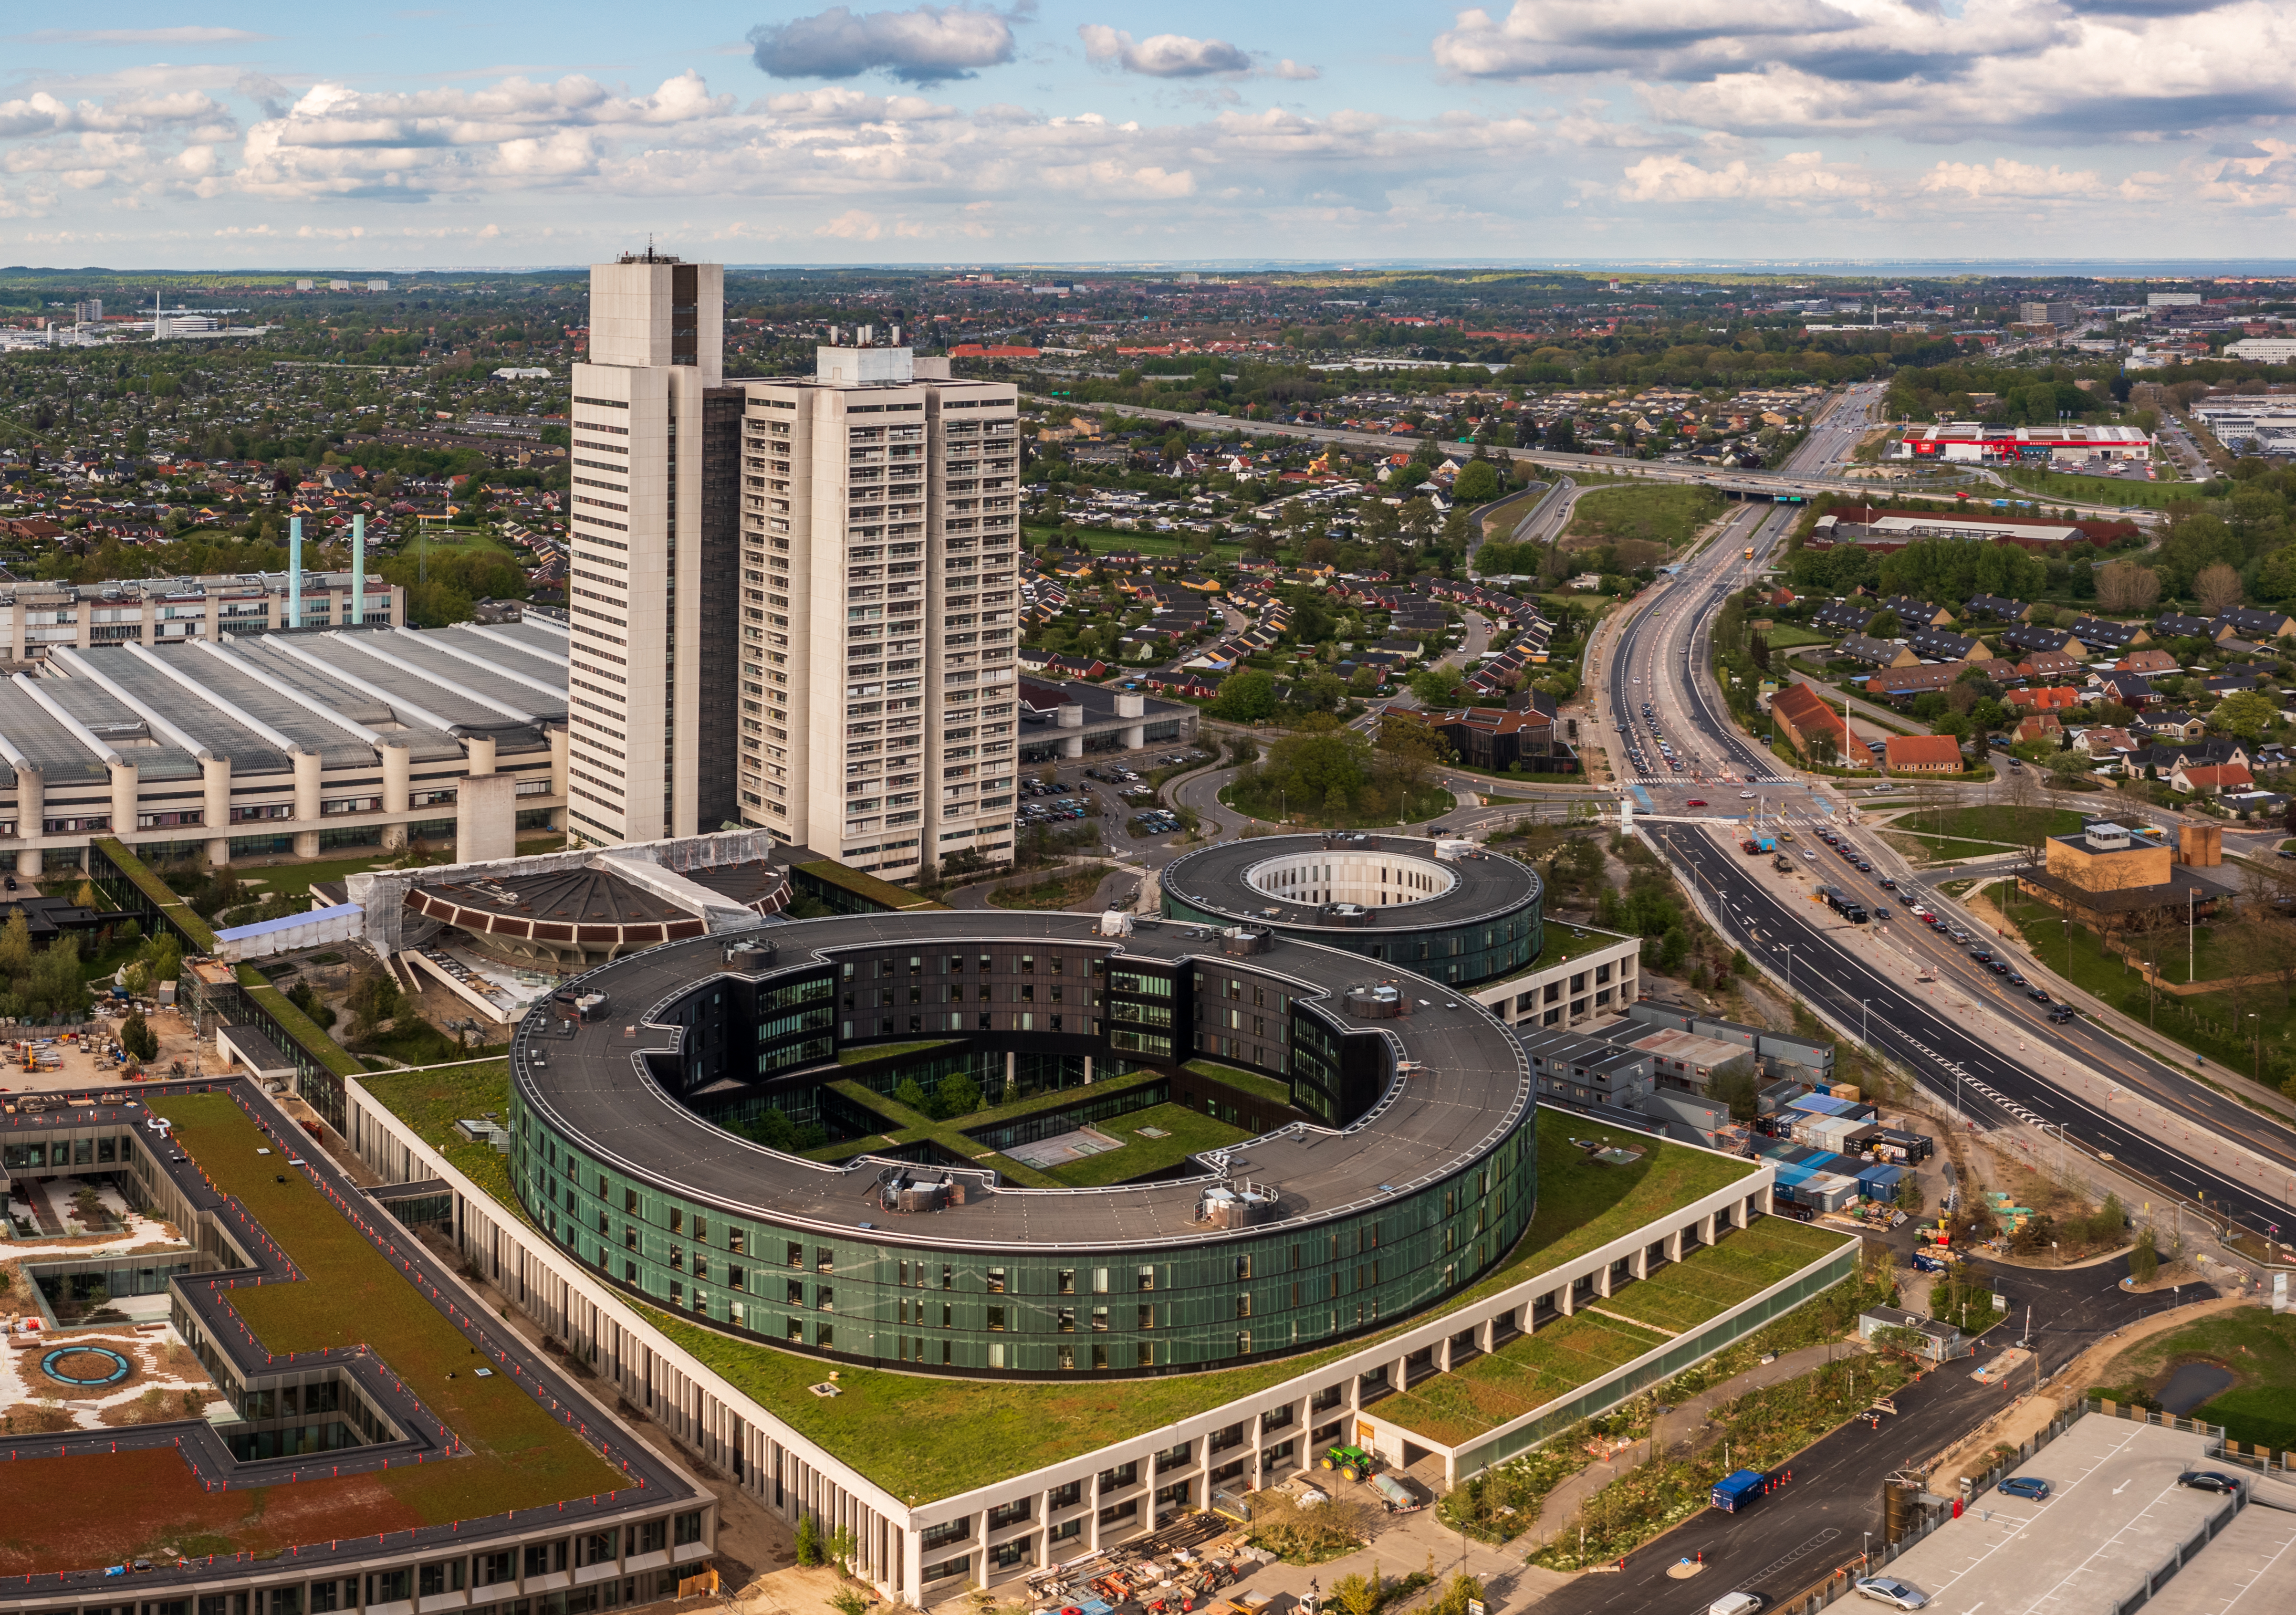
{"points": [[86, 1367]]}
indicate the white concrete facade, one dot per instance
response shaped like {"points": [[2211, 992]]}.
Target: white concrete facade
{"points": [[879, 611], [634, 576], [1045, 1515], [1589, 986]]}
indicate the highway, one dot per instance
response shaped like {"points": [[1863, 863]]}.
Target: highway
{"points": [[1974, 1044], [1809, 470]]}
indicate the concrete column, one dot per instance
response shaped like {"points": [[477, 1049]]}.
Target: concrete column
{"points": [[1603, 1281], [1135, 737], [1087, 1070], [215, 774], [1562, 1303], [1639, 1263], [31, 813], [308, 765], [1706, 1228], [124, 782], [981, 1564], [1072, 745], [558, 771], [1674, 1245], [1443, 1354], [395, 762], [1043, 1527], [1487, 1335], [480, 749]]}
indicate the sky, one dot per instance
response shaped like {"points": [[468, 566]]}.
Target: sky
{"points": [[281, 135]]}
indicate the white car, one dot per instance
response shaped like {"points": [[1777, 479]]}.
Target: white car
{"points": [[1745, 796], [1735, 1603], [1889, 1590]]}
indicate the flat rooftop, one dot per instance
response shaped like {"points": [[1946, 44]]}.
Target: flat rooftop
{"points": [[1472, 1089], [2115, 1516], [1532, 1370], [337, 695], [988, 1430], [1486, 885]]}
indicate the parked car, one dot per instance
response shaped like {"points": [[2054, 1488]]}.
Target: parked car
{"points": [[2031, 1488], [1889, 1590], [2209, 1480], [1735, 1603]]}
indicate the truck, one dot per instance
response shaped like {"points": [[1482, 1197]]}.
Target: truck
{"points": [[1849, 907], [1757, 842], [1737, 1489], [1782, 864]]}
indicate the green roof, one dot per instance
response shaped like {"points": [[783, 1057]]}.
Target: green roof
{"points": [[866, 885], [984, 1431]]}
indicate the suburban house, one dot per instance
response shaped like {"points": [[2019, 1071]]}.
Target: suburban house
{"points": [[1996, 606], [1878, 653], [2211, 779], [2037, 726], [1922, 754], [1812, 726], [2047, 698], [2146, 662]]}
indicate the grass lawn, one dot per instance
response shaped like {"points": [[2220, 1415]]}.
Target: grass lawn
{"points": [[2099, 491], [986, 1430], [1187, 1133], [2213, 1024], [1939, 848], [2000, 823], [520, 1456], [288, 875], [1666, 513], [431, 1102], [1244, 1082], [1056, 890], [2253, 1343], [1428, 802], [1786, 637]]}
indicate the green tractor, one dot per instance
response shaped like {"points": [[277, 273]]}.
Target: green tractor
{"points": [[1353, 1461]]}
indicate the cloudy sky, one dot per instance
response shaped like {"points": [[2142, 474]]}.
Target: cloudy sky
{"points": [[266, 133]]}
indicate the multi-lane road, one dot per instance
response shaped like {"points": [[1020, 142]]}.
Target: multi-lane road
{"points": [[1907, 988]]}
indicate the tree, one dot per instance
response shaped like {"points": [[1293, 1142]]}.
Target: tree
{"points": [[2246, 713], [135, 1037], [2217, 589], [1885, 625], [1737, 1089], [1244, 695], [15, 946], [808, 1540], [1358, 1594], [912, 1093], [955, 1094], [841, 1547], [1432, 687], [1477, 484], [2144, 1258], [2122, 588]]}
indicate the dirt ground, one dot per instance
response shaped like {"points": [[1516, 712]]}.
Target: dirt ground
{"points": [[83, 1069]]}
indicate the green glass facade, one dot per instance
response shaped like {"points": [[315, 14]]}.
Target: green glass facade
{"points": [[1048, 1310]]}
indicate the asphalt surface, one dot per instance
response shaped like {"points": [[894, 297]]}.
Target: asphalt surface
{"points": [[1660, 656], [1818, 1521]]}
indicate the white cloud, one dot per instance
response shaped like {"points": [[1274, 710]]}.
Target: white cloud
{"points": [[42, 113], [1161, 55], [145, 37], [2005, 177], [930, 44], [1800, 177]]}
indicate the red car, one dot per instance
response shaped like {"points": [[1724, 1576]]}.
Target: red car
{"points": [[1696, 801]]}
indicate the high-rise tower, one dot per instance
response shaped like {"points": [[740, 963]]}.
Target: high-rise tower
{"points": [[650, 577], [879, 527]]}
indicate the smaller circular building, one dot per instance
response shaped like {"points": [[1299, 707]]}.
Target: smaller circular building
{"points": [[1448, 910]]}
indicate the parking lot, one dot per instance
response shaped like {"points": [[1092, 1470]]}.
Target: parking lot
{"points": [[2115, 1517]]}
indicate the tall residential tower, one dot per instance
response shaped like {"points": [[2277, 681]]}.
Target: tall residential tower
{"points": [[879, 605], [842, 548]]}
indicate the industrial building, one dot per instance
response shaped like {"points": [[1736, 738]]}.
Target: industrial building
{"points": [[37, 619], [1072, 720], [211, 749], [1979, 443]]}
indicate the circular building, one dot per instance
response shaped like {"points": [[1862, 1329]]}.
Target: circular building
{"points": [[1448, 910], [1376, 1154]]}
